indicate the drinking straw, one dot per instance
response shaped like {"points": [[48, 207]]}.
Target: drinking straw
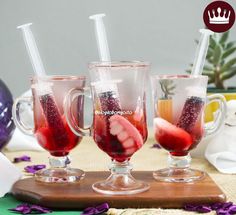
{"points": [[32, 49], [201, 51]]}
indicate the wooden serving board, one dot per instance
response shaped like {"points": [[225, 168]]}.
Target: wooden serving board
{"points": [[80, 195]]}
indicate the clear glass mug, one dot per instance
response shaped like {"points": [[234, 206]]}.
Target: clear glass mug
{"points": [[119, 125], [50, 127], [179, 103]]}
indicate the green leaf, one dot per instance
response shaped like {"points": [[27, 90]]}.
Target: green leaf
{"points": [[217, 55], [211, 81], [208, 68], [208, 73], [228, 65], [229, 52], [228, 75], [230, 45], [224, 37], [212, 43], [209, 53], [222, 62], [188, 71], [210, 60]]}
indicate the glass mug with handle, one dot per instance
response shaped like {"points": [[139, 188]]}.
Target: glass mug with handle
{"points": [[179, 103], [50, 127], [119, 120]]}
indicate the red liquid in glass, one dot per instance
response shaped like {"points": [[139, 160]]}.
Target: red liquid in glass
{"points": [[109, 143], [52, 130], [186, 134]]}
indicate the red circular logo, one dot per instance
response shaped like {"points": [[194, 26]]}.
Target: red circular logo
{"points": [[219, 16]]}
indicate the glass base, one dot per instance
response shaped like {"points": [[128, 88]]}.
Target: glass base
{"points": [[59, 175], [178, 175], [122, 185], [120, 182]]}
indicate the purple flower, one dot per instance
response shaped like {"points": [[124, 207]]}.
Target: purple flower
{"points": [[222, 212], [156, 146], [30, 209], [232, 209], [39, 209], [226, 208], [203, 209], [96, 210], [190, 207], [197, 208], [22, 208], [22, 158], [34, 168], [216, 206], [227, 205]]}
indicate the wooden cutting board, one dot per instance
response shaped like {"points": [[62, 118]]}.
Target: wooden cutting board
{"points": [[80, 195]]}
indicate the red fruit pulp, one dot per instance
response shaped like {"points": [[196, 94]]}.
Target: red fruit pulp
{"points": [[109, 143], [174, 139]]}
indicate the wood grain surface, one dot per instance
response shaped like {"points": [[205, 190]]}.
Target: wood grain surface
{"points": [[80, 195]]}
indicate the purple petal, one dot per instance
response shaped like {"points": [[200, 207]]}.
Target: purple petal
{"points": [[227, 205], [156, 146], [232, 209], [30, 209], [34, 168], [22, 158], [222, 212], [203, 209], [39, 209], [190, 207], [22, 208], [96, 210], [89, 211], [216, 206], [102, 208]]}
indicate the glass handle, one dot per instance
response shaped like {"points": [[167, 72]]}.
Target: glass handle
{"points": [[70, 118], [16, 113], [220, 114]]}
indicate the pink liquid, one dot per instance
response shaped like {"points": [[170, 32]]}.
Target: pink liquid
{"points": [[110, 144]]}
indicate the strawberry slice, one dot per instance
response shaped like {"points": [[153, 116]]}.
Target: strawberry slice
{"points": [[171, 137], [126, 133]]}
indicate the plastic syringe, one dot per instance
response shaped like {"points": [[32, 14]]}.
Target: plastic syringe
{"points": [[201, 51], [106, 83]]}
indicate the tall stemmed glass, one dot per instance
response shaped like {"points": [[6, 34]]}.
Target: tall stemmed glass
{"points": [[119, 120], [179, 102]]}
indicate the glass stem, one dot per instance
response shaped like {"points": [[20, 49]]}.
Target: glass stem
{"points": [[179, 162], [59, 162], [120, 167], [120, 174]]}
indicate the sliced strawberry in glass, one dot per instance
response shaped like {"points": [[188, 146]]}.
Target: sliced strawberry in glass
{"points": [[171, 137]]}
